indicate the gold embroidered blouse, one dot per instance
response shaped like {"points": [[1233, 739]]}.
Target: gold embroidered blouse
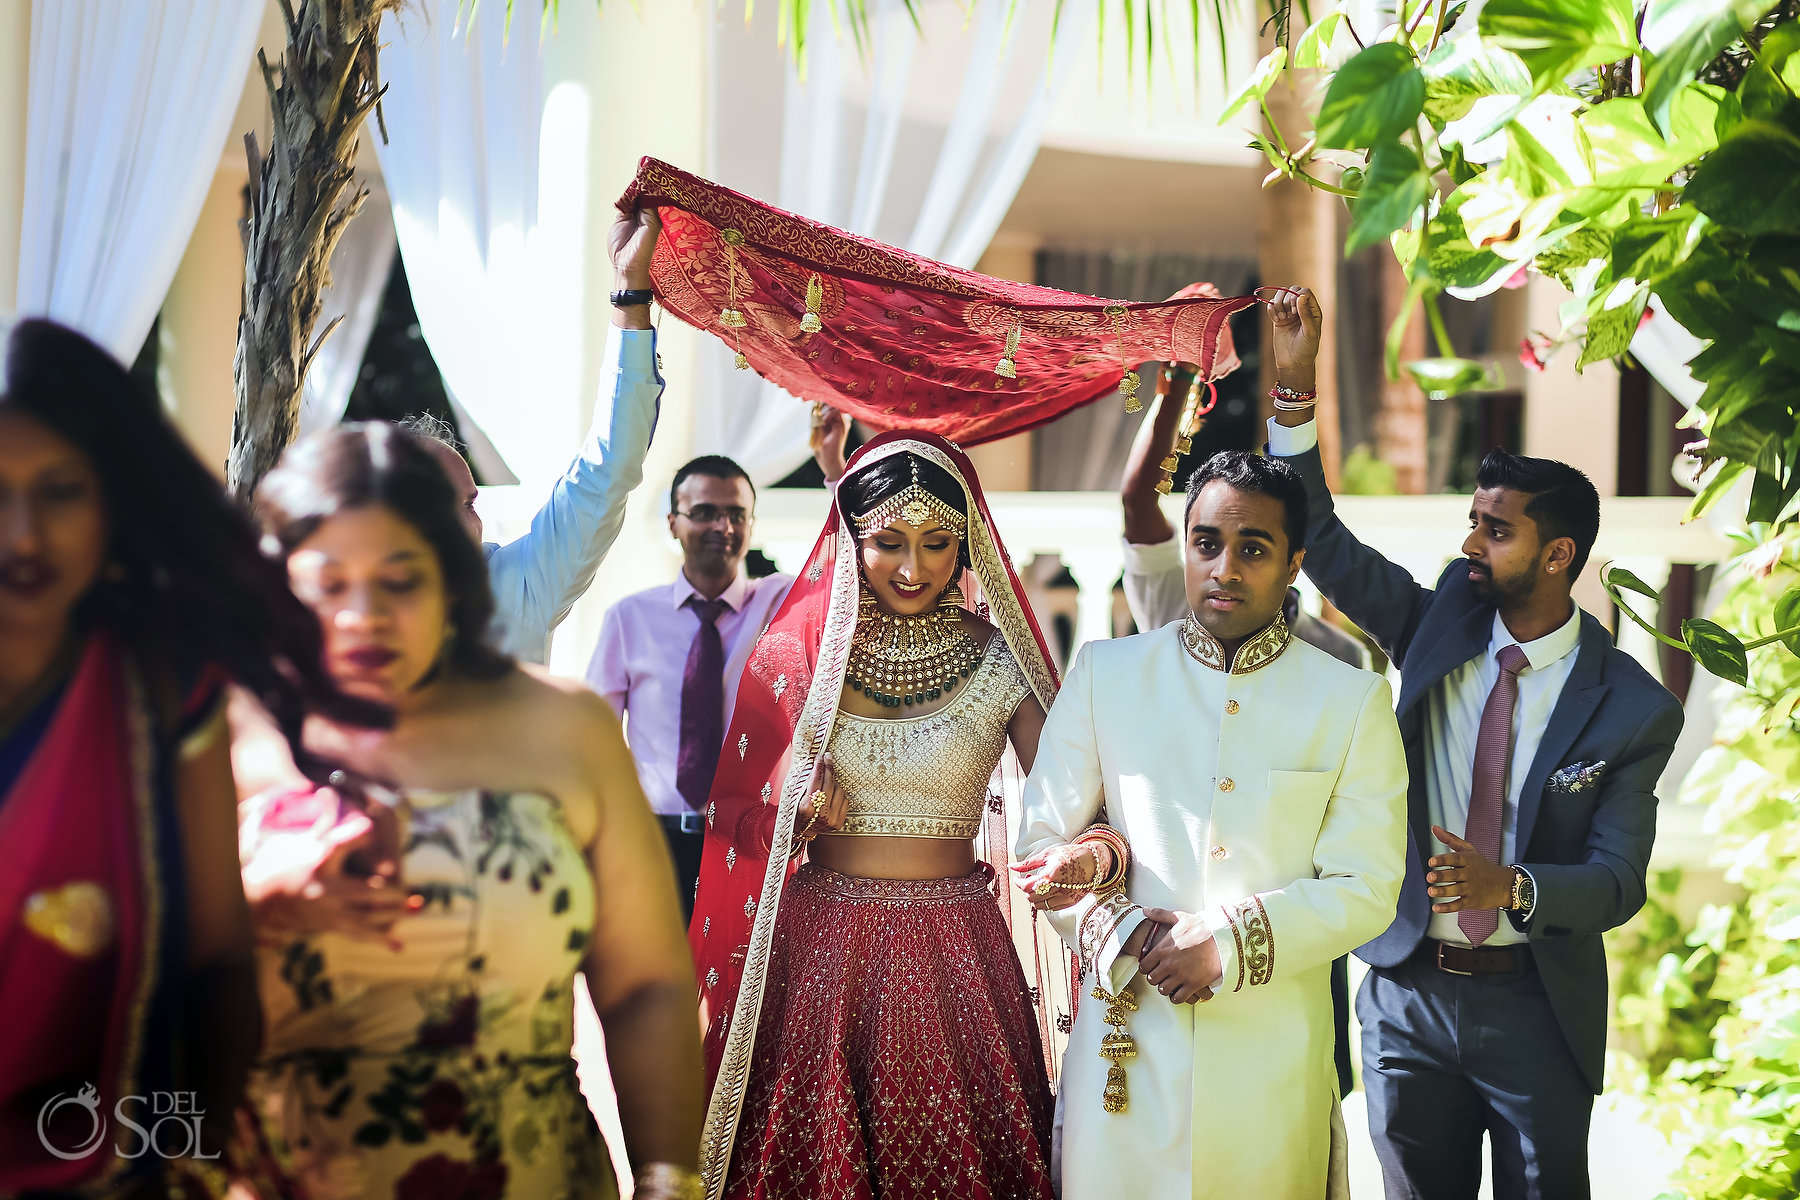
{"points": [[928, 776]]}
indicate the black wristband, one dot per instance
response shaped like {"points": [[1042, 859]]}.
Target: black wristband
{"points": [[632, 297]]}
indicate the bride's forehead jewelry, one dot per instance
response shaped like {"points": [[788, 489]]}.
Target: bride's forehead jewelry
{"points": [[914, 505]]}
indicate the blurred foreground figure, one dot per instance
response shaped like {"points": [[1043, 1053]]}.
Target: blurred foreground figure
{"points": [[420, 922], [130, 590]]}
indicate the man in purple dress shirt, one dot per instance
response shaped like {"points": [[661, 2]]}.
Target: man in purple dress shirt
{"points": [[669, 657]]}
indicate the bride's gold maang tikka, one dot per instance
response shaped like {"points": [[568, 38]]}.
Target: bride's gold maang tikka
{"points": [[914, 505]]}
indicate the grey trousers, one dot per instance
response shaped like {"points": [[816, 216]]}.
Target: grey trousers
{"points": [[1447, 1057]]}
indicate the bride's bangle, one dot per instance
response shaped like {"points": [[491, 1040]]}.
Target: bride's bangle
{"points": [[666, 1181]]}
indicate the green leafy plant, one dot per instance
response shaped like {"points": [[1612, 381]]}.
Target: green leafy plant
{"points": [[1711, 1013]]}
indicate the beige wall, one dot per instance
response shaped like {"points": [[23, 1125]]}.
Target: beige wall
{"points": [[15, 51], [197, 338]]}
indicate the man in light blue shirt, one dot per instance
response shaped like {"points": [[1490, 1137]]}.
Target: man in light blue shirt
{"points": [[538, 577]]}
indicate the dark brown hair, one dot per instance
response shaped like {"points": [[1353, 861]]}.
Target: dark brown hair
{"points": [[185, 581], [374, 464]]}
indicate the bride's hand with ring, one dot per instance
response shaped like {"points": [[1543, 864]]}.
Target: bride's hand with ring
{"points": [[1059, 876], [825, 807]]}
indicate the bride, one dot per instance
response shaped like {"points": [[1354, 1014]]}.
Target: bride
{"points": [[869, 1029]]}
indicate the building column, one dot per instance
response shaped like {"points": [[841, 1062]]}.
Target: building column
{"points": [[1573, 418], [1401, 431], [1298, 244], [15, 79]]}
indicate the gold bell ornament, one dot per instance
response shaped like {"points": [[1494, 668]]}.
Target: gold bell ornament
{"points": [[1008, 367], [1116, 1046], [815, 296], [1130, 381]]}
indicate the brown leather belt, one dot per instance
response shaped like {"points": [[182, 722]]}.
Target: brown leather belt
{"points": [[1452, 959]]}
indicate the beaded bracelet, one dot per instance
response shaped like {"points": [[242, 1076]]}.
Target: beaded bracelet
{"points": [[1288, 399]]}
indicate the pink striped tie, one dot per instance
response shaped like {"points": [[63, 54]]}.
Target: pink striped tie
{"points": [[1487, 790]]}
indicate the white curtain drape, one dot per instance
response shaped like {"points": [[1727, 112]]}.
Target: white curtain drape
{"points": [[491, 231], [359, 274], [924, 145], [129, 104]]}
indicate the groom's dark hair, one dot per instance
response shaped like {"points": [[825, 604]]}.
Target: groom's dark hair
{"points": [[1249, 472]]}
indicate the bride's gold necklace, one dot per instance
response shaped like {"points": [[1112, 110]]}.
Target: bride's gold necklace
{"points": [[910, 660]]}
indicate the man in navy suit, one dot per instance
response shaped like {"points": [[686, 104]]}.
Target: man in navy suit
{"points": [[1534, 746]]}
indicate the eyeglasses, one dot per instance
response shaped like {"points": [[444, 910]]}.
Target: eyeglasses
{"points": [[712, 514]]}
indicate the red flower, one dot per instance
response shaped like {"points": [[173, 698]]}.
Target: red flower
{"points": [[441, 1177], [443, 1105], [1532, 351], [457, 1030]]}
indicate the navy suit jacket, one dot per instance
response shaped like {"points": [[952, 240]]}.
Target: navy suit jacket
{"points": [[1586, 847]]}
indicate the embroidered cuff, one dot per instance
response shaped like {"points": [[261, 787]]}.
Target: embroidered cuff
{"points": [[1105, 928], [1246, 942]]}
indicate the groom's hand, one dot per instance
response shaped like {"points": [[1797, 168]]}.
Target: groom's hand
{"points": [[1465, 878], [1183, 964]]}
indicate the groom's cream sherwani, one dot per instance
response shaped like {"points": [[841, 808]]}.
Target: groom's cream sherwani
{"points": [[1269, 797]]}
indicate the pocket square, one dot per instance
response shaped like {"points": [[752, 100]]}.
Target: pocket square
{"points": [[1576, 777]]}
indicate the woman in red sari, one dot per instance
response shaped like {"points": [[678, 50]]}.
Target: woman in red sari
{"points": [[130, 589], [869, 1030]]}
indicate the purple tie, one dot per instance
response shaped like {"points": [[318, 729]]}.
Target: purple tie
{"points": [[702, 706], [1487, 790]]}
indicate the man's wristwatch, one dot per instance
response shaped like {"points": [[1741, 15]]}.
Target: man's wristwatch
{"points": [[1524, 894], [631, 297]]}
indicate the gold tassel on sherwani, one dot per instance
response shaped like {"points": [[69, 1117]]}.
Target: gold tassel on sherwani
{"points": [[1116, 1046]]}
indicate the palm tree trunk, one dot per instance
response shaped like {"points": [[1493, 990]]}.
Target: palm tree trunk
{"points": [[302, 195]]}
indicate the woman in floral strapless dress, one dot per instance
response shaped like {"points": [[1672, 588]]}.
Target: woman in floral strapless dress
{"points": [[419, 936]]}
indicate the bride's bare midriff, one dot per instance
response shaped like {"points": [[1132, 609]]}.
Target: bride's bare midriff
{"points": [[894, 857]]}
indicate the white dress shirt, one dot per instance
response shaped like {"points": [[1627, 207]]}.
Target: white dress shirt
{"points": [[642, 654], [537, 578], [1453, 721]]}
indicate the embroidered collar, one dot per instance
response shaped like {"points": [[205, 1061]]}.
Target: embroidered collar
{"points": [[1255, 653]]}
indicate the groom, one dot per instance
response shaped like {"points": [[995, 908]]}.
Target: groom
{"points": [[1261, 786]]}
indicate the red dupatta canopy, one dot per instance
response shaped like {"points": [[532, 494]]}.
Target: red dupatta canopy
{"points": [[895, 340]]}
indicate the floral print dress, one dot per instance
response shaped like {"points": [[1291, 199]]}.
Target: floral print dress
{"points": [[440, 1071]]}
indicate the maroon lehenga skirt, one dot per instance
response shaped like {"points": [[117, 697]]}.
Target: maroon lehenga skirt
{"points": [[897, 1057]]}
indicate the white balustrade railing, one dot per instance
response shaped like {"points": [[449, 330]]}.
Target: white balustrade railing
{"points": [[1421, 533]]}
